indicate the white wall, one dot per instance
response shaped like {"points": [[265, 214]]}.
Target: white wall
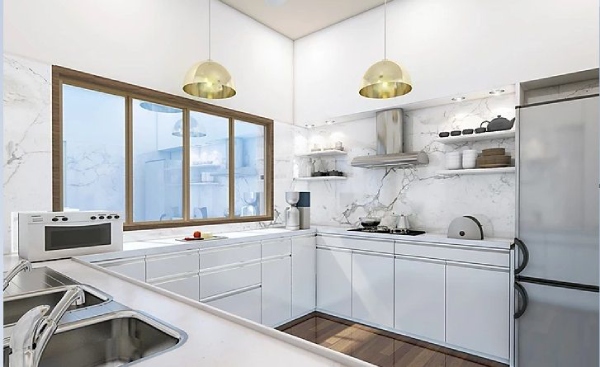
{"points": [[152, 43], [448, 47]]}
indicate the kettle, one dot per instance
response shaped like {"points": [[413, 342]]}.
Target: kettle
{"points": [[499, 123], [403, 226]]}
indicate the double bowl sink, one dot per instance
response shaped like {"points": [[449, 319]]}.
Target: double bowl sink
{"points": [[99, 332]]}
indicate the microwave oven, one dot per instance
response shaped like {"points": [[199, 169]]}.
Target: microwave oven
{"points": [[41, 236]]}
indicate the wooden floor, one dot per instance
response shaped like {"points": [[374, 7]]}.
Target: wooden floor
{"points": [[376, 346]]}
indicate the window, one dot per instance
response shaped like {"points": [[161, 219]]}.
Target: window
{"points": [[162, 160]]}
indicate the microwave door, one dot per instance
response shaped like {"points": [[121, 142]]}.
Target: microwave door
{"points": [[65, 237]]}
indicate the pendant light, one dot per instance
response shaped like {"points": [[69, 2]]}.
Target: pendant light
{"points": [[385, 79], [197, 130], [209, 79]]}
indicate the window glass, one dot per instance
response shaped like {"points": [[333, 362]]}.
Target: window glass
{"points": [[249, 169], [157, 162], [209, 168], [93, 150]]}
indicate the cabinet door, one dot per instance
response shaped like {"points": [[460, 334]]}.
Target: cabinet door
{"points": [[187, 286], [133, 268], [420, 297], [373, 289], [172, 264], [304, 270], [334, 275], [477, 308], [277, 291], [245, 304]]}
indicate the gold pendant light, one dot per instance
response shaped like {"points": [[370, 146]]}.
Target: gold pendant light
{"points": [[209, 79], [385, 79]]}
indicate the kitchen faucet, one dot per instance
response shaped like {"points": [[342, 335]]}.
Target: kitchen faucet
{"points": [[23, 265], [33, 331]]}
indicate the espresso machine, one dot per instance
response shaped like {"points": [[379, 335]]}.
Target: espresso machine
{"points": [[292, 214]]}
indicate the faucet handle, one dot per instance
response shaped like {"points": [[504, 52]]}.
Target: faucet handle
{"points": [[23, 337]]}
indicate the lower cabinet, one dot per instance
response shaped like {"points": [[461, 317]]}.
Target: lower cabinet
{"points": [[133, 267], [334, 287], [246, 304], [420, 297], [477, 308], [373, 288], [276, 291], [187, 286], [304, 272]]}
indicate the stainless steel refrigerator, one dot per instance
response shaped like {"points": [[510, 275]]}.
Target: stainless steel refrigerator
{"points": [[556, 277]]}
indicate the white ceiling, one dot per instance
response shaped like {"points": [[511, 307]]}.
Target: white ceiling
{"points": [[298, 18]]}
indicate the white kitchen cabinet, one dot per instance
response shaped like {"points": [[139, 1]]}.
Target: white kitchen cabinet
{"points": [[304, 270], [230, 255], [187, 286], [172, 264], [245, 304], [277, 247], [276, 291], [477, 308], [373, 288], [420, 297], [133, 267], [228, 280], [334, 281]]}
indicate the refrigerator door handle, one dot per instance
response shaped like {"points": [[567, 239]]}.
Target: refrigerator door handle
{"points": [[523, 296], [525, 251]]}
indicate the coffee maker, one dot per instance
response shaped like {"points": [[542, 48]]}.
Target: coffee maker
{"points": [[292, 214]]}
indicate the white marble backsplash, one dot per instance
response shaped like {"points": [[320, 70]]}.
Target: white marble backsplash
{"points": [[429, 200]]}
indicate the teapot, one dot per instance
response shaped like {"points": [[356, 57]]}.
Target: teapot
{"points": [[499, 123]]}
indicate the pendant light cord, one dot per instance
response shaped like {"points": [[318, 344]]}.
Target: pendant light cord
{"points": [[209, 33], [385, 29]]}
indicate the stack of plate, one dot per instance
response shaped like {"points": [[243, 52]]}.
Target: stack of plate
{"points": [[493, 158]]}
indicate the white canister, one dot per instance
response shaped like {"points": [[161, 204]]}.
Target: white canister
{"points": [[453, 160], [469, 158]]}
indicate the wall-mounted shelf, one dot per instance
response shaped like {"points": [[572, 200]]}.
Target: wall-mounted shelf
{"points": [[505, 134], [324, 153], [477, 171], [321, 178]]}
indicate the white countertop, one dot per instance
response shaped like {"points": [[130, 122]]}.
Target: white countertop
{"points": [[215, 338]]}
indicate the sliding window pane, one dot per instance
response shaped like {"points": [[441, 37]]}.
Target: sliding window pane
{"points": [[249, 169], [93, 150], [209, 172], [157, 162]]}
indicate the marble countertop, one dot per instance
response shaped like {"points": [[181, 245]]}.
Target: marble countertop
{"points": [[215, 338]]}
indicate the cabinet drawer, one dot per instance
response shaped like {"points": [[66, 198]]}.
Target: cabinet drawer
{"points": [[278, 247], [172, 264], [134, 267], [356, 244], [455, 253], [228, 280], [187, 286], [229, 255], [245, 304]]}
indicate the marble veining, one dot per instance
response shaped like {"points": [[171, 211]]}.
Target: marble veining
{"points": [[429, 200]]}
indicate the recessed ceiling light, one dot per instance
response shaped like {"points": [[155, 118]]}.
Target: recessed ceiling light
{"points": [[458, 99], [309, 126], [496, 92], [275, 2], [330, 122]]}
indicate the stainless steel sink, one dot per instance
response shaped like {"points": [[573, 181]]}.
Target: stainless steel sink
{"points": [[17, 306], [112, 339]]}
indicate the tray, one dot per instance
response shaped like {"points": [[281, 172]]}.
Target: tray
{"points": [[191, 239]]}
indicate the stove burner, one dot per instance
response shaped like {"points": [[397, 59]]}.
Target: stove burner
{"points": [[386, 230]]}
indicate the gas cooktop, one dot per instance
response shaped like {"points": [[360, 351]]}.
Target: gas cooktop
{"points": [[409, 232]]}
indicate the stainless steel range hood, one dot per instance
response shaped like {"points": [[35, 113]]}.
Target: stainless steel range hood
{"points": [[390, 144]]}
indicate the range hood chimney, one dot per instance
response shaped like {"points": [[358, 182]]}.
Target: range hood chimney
{"points": [[390, 144]]}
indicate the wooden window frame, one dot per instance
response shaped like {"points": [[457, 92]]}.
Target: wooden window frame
{"points": [[61, 75]]}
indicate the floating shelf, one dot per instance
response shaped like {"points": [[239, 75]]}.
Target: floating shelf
{"points": [[324, 153], [505, 134], [322, 178], [477, 171]]}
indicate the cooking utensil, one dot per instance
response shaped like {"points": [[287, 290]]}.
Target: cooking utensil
{"points": [[403, 225], [465, 228], [499, 123], [369, 222]]}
